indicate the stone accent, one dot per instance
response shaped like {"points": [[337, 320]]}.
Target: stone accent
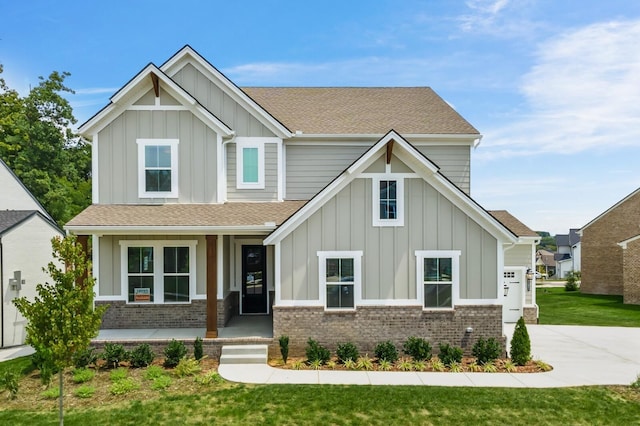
{"points": [[123, 315], [369, 325], [601, 256], [227, 308], [631, 276], [530, 314]]}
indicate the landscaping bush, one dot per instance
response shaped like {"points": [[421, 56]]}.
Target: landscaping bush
{"points": [[84, 391], [449, 354], [520, 344], [142, 356], [316, 352], [198, 353], [153, 372], [83, 375], [114, 354], [486, 350], [174, 352], [417, 348], [43, 363], [572, 281], [10, 381], [284, 347], [346, 351], [386, 351], [85, 358], [124, 386], [187, 367]]}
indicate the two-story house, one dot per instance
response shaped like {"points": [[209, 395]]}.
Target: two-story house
{"points": [[343, 212]]}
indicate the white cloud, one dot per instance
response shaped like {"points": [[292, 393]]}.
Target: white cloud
{"points": [[583, 93], [498, 18], [96, 90]]}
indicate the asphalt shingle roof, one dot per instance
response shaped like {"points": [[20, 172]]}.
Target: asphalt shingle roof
{"points": [[361, 110], [9, 218], [511, 222]]}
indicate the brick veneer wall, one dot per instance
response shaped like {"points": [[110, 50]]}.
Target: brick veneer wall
{"points": [[631, 276], [121, 315], [227, 308], [368, 326], [601, 256]]}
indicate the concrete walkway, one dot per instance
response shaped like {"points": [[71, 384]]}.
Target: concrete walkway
{"points": [[580, 356]]}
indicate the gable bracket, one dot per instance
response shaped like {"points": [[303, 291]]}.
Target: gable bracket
{"points": [[156, 85], [389, 150]]}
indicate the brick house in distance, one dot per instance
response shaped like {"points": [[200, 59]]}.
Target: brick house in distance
{"points": [[343, 213], [611, 251]]}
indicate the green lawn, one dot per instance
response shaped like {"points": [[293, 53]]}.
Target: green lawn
{"points": [[558, 306], [367, 405]]}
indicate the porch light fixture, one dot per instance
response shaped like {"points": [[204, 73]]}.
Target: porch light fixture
{"points": [[506, 290], [529, 276]]}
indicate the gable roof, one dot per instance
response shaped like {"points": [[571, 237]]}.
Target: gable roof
{"points": [[511, 222], [188, 55], [601, 215], [414, 159], [34, 200], [361, 110], [136, 87], [9, 219]]}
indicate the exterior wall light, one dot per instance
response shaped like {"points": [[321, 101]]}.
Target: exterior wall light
{"points": [[529, 276]]}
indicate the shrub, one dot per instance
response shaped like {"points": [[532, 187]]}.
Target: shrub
{"points": [[489, 367], [124, 386], [437, 365], [208, 378], [85, 391], [520, 344], [365, 363], [404, 365], [386, 351], [572, 281], [173, 353], [118, 374], [298, 365], [85, 358], [636, 383], [347, 351], [114, 354], [153, 372], [486, 350], [419, 365], [160, 383], [316, 351], [417, 348], [384, 365], [142, 356], [316, 364], [82, 375], [449, 354], [51, 393], [44, 363], [284, 347], [187, 367], [10, 381], [198, 353], [455, 367]]}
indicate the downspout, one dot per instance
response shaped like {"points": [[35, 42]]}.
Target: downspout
{"points": [[1, 295]]}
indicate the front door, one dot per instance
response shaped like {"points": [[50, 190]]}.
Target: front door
{"points": [[254, 280], [512, 303]]}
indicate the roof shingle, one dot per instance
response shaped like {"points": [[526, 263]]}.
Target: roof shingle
{"points": [[511, 222]]}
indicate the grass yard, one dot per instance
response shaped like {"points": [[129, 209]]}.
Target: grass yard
{"points": [[561, 307], [185, 402]]}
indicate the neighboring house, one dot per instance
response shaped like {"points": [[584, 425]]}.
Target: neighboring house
{"points": [[519, 264], [545, 262], [568, 253], [609, 251], [343, 212], [26, 230]]}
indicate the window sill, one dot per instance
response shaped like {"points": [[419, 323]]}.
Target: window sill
{"points": [[340, 311]]}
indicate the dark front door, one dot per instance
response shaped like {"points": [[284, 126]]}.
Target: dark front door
{"points": [[254, 280]]}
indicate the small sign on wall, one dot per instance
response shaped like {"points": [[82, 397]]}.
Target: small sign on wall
{"points": [[142, 295]]}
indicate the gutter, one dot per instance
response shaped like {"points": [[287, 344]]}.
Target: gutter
{"points": [[1, 295]]}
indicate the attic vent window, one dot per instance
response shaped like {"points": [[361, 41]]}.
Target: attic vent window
{"points": [[388, 201]]}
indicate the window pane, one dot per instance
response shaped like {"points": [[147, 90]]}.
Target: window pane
{"points": [[176, 260], [392, 189], [391, 210], [340, 296], [430, 296], [384, 191], [445, 269], [346, 296], [333, 296], [333, 270], [164, 156], [431, 269], [140, 259], [176, 289], [151, 156], [164, 181], [144, 286], [444, 296], [250, 165], [346, 270]]}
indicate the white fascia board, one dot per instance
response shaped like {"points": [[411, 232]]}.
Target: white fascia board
{"points": [[461, 138], [626, 242], [171, 230], [188, 55]]}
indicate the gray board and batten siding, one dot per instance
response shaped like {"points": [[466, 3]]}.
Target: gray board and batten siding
{"points": [[432, 222], [118, 156], [220, 103]]}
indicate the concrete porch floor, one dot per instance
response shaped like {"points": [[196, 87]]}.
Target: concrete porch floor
{"points": [[238, 327]]}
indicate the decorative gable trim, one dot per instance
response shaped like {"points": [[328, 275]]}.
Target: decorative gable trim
{"points": [[423, 167], [187, 55], [145, 80]]}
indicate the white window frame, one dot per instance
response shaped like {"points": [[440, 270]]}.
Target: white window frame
{"points": [[158, 268], [241, 144], [357, 276], [399, 220], [454, 255], [142, 144]]}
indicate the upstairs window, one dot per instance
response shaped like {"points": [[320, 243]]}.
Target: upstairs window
{"points": [[157, 168], [388, 201], [250, 164]]}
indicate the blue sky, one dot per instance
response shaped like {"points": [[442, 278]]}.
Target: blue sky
{"points": [[553, 86]]}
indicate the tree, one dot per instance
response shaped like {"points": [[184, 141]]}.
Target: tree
{"points": [[520, 344], [61, 319], [37, 143]]}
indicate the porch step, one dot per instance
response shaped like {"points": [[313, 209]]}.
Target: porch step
{"points": [[244, 354]]}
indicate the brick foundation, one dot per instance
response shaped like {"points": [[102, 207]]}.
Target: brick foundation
{"points": [[121, 315], [368, 326], [530, 314]]}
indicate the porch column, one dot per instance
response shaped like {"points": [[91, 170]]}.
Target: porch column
{"points": [[83, 240], [212, 286]]}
